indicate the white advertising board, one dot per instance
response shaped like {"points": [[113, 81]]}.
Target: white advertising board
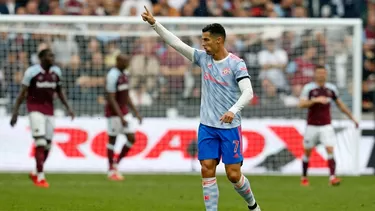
{"points": [[268, 146]]}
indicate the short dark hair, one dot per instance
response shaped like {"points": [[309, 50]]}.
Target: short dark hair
{"points": [[215, 29], [43, 53], [320, 67]]}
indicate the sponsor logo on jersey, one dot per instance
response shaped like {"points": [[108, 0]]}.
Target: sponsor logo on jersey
{"points": [[226, 71], [209, 66], [46, 84], [122, 87], [209, 77]]}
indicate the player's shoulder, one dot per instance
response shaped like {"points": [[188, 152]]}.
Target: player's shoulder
{"points": [[310, 86], [198, 54], [56, 70], [36, 68], [234, 58], [236, 62], [113, 72], [33, 71], [331, 86]]}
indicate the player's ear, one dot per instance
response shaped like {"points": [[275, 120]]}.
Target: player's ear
{"points": [[218, 40]]}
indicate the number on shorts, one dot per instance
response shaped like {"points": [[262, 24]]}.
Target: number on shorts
{"points": [[236, 144]]}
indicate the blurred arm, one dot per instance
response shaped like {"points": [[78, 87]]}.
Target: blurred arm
{"points": [[21, 97], [341, 105]]}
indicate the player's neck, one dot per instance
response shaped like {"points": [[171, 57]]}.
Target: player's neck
{"points": [[320, 84], [45, 67], [220, 55]]}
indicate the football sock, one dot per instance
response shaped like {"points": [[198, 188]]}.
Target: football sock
{"points": [[39, 157], [305, 165], [110, 153], [46, 150], [41, 176], [125, 149], [210, 193], [331, 165], [243, 188]]}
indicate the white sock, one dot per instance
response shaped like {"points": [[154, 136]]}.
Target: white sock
{"points": [[41, 176]]}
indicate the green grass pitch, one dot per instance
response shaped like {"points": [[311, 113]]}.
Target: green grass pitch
{"points": [[81, 192]]}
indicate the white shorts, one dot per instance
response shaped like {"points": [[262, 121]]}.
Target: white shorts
{"points": [[319, 134], [115, 127], [41, 125]]}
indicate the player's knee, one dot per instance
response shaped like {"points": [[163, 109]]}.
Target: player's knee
{"points": [[329, 150], [112, 140], [110, 146], [40, 142], [131, 138], [233, 172], [234, 175], [208, 168], [48, 145], [307, 152], [129, 144]]}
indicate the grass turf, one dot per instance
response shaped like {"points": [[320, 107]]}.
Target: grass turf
{"points": [[180, 192]]}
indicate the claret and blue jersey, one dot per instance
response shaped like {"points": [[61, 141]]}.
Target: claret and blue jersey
{"points": [[42, 85]]}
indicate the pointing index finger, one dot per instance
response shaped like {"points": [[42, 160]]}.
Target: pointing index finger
{"points": [[146, 10]]}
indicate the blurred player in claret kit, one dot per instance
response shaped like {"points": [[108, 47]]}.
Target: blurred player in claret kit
{"points": [[119, 120], [317, 96], [226, 89], [39, 85]]}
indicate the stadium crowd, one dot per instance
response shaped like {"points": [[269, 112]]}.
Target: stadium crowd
{"points": [[279, 63]]}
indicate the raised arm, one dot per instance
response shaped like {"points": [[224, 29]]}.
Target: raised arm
{"points": [[168, 37]]}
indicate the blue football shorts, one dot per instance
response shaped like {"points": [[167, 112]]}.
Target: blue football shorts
{"points": [[218, 143]]}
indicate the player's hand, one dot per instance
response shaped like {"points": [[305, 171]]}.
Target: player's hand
{"points": [[124, 122], [71, 113], [147, 16], [140, 119], [13, 120], [227, 117], [321, 99], [356, 123]]}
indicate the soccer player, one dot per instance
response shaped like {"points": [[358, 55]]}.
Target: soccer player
{"points": [[317, 96], [226, 89], [39, 85], [119, 120]]}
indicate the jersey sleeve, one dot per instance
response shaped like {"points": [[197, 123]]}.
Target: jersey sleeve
{"points": [[305, 92], [198, 55], [111, 82], [240, 72], [335, 92], [28, 76], [58, 72]]}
